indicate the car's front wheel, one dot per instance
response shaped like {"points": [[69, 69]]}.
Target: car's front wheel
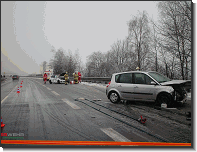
{"points": [[114, 97], [58, 81], [50, 82], [164, 98]]}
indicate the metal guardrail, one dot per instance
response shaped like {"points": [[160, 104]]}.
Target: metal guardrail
{"points": [[105, 80]]}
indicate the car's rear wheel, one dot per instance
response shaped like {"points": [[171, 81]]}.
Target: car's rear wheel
{"points": [[114, 97], [50, 82], [165, 99]]}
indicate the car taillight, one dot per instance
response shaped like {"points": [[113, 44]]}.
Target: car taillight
{"points": [[17, 76], [108, 84], [12, 77]]}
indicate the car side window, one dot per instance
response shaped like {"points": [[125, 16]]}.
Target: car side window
{"points": [[117, 78], [148, 80], [125, 78], [140, 78]]}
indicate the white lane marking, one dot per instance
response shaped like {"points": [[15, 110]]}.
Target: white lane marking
{"points": [[4, 99], [8, 94], [114, 135], [48, 88], [43, 85], [74, 106], [55, 93]]}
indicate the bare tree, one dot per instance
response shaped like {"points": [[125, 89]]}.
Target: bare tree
{"points": [[176, 31], [139, 36]]}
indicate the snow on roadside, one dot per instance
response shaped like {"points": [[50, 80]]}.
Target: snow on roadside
{"points": [[94, 84], [189, 95]]}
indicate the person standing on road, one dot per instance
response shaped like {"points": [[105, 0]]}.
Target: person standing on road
{"points": [[45, 78], [76, 77], [66, 78], [79, 79]]}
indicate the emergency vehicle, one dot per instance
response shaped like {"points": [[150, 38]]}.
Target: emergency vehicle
{"points": [[49, 74]]}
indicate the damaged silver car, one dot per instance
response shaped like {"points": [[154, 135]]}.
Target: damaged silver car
{"points": [[146, 86]]}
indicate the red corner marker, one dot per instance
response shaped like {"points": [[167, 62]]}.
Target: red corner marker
{"points": [[2, 125]]}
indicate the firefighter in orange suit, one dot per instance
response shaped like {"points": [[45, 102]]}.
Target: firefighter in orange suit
{"points": [[66, 78], [79, 79], [76, 78]]}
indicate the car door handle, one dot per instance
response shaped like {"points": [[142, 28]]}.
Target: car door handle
{"points": [[135, 87]]}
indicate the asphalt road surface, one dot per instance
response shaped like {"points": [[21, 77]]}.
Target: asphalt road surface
{"points": [[74, 113]]}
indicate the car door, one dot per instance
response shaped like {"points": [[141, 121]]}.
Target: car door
{"points": [[55, 79], [52, 79], [125, 86], [143, 89]]}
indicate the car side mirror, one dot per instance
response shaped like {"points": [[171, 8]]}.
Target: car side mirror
{"points": [[153, 83]]}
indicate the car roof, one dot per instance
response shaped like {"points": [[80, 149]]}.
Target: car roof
{"points": [[133, 72]]}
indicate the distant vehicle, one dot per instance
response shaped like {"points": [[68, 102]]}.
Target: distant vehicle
{"points": [[145, 86], [15, 77], [49, 74], [56, 79]]}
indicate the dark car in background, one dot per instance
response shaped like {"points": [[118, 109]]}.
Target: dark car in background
{"points": [[15, 77]]}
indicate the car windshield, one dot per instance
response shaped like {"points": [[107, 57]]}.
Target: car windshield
{"points": [[14, 75], [159, 77]]}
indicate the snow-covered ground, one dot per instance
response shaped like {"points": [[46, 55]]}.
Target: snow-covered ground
{"points": [[94, 84]]}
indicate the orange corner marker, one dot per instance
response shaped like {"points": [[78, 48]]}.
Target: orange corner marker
{"points": [[51, 142]]}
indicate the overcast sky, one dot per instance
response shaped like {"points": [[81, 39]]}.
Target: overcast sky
{"points": [[29, 29]]}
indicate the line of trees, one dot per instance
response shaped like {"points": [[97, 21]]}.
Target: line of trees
{"points": [[65, 61], [164, 46]]}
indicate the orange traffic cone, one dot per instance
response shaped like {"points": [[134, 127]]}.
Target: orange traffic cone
{"points": [[18, 91], [2, 125]]}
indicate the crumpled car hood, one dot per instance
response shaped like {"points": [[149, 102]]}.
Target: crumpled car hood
{"points": [[174, 82]]}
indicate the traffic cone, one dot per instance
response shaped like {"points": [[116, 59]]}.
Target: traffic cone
{"points": [[21, 86], [21, 83], [142, 120], [18, 91], [2, 125]]}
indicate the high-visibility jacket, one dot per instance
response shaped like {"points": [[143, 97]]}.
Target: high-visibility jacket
{"points": [[66, 77], [76, 77]]}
